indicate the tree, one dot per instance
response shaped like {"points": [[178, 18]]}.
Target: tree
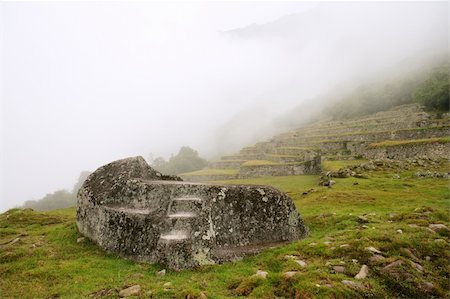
{"points": [[186, 160], [434, 92]]}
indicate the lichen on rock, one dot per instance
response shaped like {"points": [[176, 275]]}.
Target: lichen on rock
{"points": [[131, 209]]}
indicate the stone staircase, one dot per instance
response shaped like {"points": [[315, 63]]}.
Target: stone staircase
{"points": [[177, 237]]}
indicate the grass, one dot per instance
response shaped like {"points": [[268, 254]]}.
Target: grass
{"points": [[48, 262], [259, 163], [335, 165], [389, 143], [212, 171]]}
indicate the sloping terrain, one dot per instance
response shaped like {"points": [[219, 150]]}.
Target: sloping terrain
{"points": [[394, 221], [390, 134]]}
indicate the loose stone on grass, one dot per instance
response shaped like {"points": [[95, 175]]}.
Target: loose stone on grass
{"points": [[131, 291], [262, 274], [362, 272], [161, 273]]}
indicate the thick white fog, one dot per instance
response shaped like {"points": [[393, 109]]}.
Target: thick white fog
{"points": [[83, 84]]}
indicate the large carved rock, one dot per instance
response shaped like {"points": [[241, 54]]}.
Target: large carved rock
{"points": [[128, 208]]}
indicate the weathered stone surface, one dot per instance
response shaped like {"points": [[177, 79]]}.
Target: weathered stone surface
{"points": [[128, 208], [131, 291]]}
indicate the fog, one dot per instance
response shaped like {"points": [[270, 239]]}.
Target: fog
{"points": [[83, 84]]}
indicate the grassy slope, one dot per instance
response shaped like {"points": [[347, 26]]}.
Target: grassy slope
{"points": [[61, 266]]}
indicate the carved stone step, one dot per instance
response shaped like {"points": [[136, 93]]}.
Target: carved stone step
{"points": [[182, 215], [184, 205], [175, 236]]}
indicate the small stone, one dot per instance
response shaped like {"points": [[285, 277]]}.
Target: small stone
{"points": [[373, 249], [289, 274], [354, 261], [352, 284], [427, 286], [339, 269], [301, 263], [362, 272], [81, 239], [262, 274], [131, 291], [417, 266], [399, 231], [376, 258], [396, 177], [427, 258], [167, 285], [327, 242], [318, 285], [413, 225], [14, 241], [438, 227], [344, 246], [161, 273], [362, 219]]}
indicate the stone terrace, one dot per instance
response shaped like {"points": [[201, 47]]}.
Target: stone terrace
{"points": [[301, 151]]}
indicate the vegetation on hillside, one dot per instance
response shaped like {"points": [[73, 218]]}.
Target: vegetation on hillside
{"points": [[59, 199], [429, 89], [434, 92], [404, 218], [187, 160]]}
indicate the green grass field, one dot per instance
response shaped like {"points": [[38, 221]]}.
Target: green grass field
{"points": [[47, 261]]}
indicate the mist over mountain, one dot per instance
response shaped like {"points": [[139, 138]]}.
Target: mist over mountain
{"points": [[83, 84], [328, 52]]}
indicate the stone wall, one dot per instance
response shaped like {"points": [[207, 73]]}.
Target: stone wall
{"points": [[407, 151], [125, 208], [308, 167]]}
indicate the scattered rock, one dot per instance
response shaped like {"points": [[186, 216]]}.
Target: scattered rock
{"points": [[301, 263], [339, 269], [413, 225], [161, 273], [439, 227], [14, 241], [373, 250], [81, 239], [289, 274], [352, 284], [417, 266], [131, 291], [167, 285], [399, 231], [427, 258], [262, 274], [362, 219], [345, 246], [376, 258], [396, 271], [428, 287], [362, 272]]}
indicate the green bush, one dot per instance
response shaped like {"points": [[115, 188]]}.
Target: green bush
{"points": [[434, 92]]}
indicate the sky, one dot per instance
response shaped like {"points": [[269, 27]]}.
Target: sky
{"points": [[86, 83]]}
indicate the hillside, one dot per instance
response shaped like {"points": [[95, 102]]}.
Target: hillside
{"points": [[301, 151], [394, 220]]}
